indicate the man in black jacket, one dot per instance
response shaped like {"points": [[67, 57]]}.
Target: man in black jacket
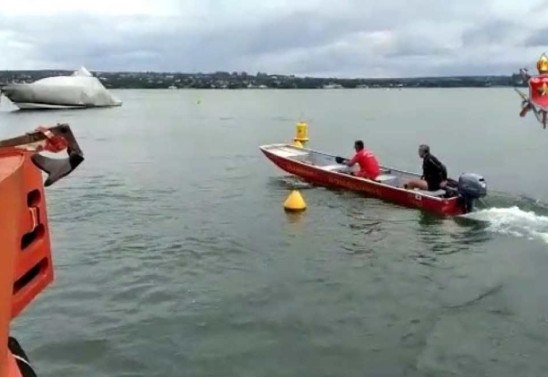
{"points": [[434, 173]]}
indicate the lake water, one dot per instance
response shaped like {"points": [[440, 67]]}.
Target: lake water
{"points": [[173, 255]]}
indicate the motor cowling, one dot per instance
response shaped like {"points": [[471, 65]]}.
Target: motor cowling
{"points": [[471, 186]]}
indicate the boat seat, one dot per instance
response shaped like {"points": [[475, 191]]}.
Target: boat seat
{"points": [[437, 193], [387, 179], [334, 167]]}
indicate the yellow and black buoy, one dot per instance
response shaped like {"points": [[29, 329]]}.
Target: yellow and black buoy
{"points": [[294, 202], [301, 133]]}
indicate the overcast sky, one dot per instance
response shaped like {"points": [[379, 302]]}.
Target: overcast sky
{"points": [[352, 38]]}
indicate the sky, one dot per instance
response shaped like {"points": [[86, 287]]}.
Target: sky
{"points": [[338, 38]]}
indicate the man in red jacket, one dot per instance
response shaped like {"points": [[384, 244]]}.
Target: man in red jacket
{"points": [[369, 166]]}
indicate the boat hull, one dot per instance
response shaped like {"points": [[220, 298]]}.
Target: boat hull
{"points": [[80, 90], [321, 176], [44, 106], [42, 97]]}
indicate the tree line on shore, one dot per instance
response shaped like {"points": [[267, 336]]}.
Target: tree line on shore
{"points": [[242, 80]]}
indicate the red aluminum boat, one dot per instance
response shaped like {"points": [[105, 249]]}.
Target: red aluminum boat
{"points": [[322, 169]]}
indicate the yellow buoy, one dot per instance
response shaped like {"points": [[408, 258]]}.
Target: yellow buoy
{"points": [[297, 144], [294, 202], [301, 132]]}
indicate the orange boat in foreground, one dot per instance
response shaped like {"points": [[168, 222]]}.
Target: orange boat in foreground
{"points": [[26, 266]]}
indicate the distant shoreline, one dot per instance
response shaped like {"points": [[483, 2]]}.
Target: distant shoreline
{"points": [[242, 80]]}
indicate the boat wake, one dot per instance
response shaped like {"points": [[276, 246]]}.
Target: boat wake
{"points": [[514, 215], [513, 221]]}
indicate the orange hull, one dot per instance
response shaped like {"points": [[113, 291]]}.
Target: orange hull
{"points": [[12, 370], [26, 267], [11, 182]]}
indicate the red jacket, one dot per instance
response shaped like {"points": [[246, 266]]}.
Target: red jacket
{"points": [[369, 166]]}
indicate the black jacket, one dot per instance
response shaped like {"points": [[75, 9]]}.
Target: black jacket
{"points": [[433, 170]]}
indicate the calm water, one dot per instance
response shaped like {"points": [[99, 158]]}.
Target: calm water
{"points": [[174, 256]]}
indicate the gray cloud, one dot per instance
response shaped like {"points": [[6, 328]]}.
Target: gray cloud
{"points": [[492, 32], [346, 39], [538, 38]]}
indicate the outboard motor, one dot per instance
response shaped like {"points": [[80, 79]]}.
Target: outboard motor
{"points": [[471, 187]]}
